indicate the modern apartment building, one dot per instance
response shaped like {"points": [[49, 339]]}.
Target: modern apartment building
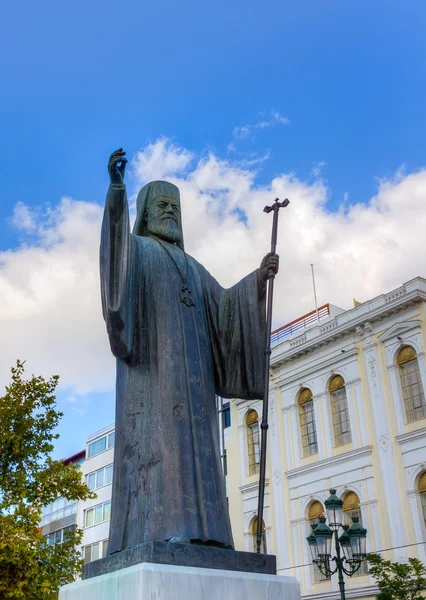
{"points": [[60, 516], [93, 515]]}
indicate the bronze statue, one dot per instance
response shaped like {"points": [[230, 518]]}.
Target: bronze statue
{"points": [[179, 339]]}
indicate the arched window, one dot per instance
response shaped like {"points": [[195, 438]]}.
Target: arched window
{"points": [[412, 389], [422, 489], [253, 441], [316, 510], [339, 411], [352, 508], [263, 548], [307, 422]]}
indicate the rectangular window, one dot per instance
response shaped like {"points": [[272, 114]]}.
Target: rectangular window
{"points": [[101, 444], [99, 478], [57, 537], [97, 446], [90, 517], [91, 481], [107, 511], [97, 514], [57, 509], [226, 415], [95, 551], [108, 474]]}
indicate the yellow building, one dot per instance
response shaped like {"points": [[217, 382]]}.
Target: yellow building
{"points": [[348, 411]]}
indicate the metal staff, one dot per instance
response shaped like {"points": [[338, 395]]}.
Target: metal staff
{"points": [[264, 425]]}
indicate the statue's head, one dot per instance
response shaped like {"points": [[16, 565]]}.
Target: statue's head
{"points": [[158, 212]]}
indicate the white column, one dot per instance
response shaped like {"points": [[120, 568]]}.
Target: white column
{"points": [[243, 445], [375, 536], [299, 570], [370, 520], [352, 414], [287, 438], [418, 522], [306, 554], [325, 411], [277, 486], [319, 425], [387, 463], [295, 424], [361, 413], [398, 399]]}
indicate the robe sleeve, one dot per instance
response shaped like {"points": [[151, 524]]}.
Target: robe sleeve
{"points": [[115, 268], [237, 326]]}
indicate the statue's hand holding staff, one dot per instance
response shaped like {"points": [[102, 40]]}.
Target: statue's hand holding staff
{"points": [[117, 167], [269, 266]]}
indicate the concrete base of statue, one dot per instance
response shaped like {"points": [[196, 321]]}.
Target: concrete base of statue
{"points": [[147, 581]]}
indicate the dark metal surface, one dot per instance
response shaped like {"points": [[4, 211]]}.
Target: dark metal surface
{"points": [[267, 352], [186, 555], [174, 353]]}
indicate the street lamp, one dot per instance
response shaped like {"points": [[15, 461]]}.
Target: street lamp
{"points": [[352, 543]]}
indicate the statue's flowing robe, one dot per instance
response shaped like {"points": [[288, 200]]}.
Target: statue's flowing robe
{"points": [[171, 361]]}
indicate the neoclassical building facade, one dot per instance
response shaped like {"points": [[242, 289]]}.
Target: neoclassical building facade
{"points": [[348, 411]]}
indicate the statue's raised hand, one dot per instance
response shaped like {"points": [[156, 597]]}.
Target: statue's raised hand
{"points": [[117, 167]]}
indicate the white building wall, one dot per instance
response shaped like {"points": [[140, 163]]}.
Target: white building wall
{"points": [[382, 463]]}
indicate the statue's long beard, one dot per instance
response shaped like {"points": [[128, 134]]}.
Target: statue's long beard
{"points": [[167, 229]]}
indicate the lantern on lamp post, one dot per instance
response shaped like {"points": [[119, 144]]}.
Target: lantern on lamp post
{"points": [[352, 543]]}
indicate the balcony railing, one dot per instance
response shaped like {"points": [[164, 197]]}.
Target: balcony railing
{"points": [[300, 323]]}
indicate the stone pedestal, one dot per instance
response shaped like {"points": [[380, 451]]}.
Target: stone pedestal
{"points": [[183, 555], [147, 581]]}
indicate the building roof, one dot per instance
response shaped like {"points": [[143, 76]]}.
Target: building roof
{"points": [[75, 457]]}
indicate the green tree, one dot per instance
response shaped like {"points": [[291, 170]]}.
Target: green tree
{"points": [[30, 479], [398, 581]]}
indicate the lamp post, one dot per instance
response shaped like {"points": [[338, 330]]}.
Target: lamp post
{"points": [[351, 543]]}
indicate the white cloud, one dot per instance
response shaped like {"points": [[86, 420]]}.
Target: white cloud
{"points": [[23, 218], [274, 118], [51, 309], [160, 160]]}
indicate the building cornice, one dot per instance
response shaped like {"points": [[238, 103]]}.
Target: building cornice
{"points": [[319, 365], [334, 460], [239, 401], [251, 487], [413, 435], [398, 329], [350, 321]]}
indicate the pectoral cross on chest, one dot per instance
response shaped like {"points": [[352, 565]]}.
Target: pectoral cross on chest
{"points": [[180, 262], [186, 296]]}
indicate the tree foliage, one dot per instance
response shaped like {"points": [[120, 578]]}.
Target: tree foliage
{"points": [[30, 479], [398, 581]]}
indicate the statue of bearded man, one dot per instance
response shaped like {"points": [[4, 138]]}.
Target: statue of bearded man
{"points": [[179, 339]]}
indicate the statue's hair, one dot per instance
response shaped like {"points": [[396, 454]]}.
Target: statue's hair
{"points": [[148, 193]]}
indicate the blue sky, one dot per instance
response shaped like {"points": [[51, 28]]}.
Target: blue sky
{"points": [[80, 79]]}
